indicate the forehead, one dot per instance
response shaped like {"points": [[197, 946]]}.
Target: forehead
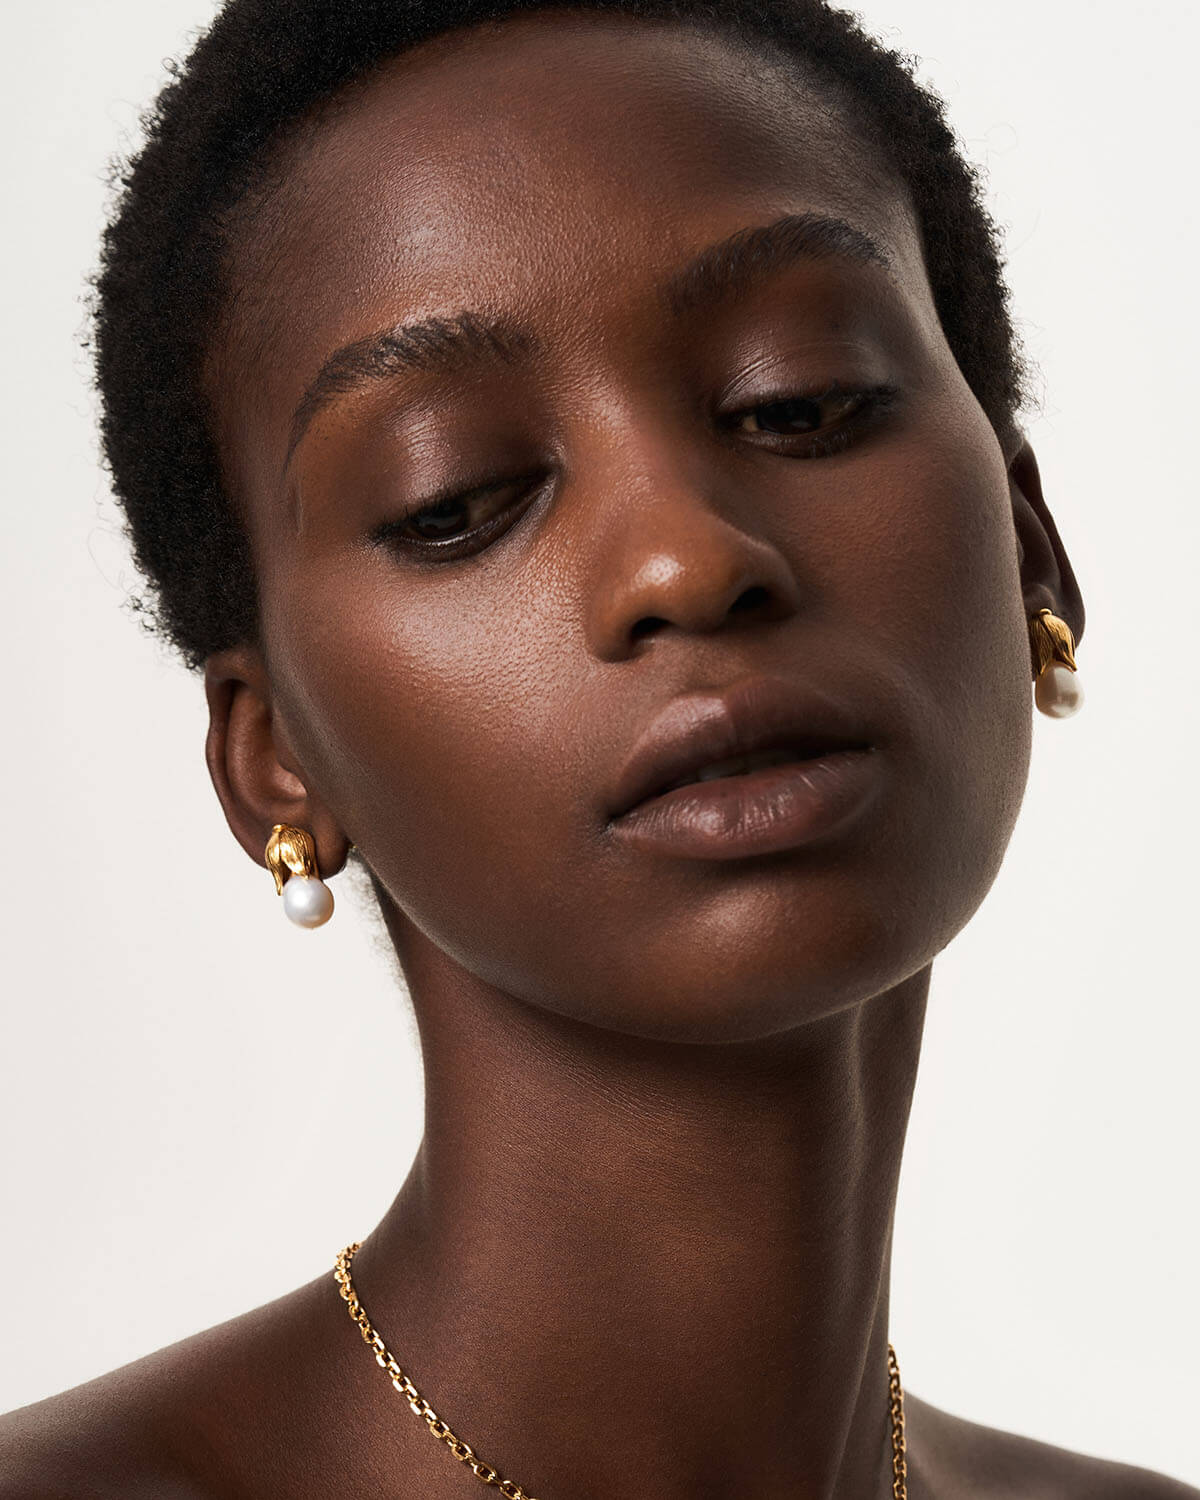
{"points": [[548, 167]]}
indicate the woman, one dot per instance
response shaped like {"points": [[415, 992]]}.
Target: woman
{"points": [[520, 413]]}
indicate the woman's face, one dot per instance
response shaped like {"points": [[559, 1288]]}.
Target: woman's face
{"points": [[655, 522]]}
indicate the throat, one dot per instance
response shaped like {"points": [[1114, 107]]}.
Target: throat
{"points": [[713, 1223]]}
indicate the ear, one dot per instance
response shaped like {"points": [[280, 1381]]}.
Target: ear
{"points": [[1047, 579], [256, 774]]}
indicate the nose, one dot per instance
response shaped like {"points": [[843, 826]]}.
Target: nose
{"points": [[678, 550]]}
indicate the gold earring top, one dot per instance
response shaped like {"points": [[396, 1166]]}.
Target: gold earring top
{"points": [[290, 851], [1050, 640]]}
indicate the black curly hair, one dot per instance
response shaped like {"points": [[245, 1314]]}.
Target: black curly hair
{"points": [[262, 66]]}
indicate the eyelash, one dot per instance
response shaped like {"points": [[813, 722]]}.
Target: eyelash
{"points": [[870, 403]]}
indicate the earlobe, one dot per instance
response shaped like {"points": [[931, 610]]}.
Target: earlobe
{"points": [[253, 769], [1047, 578]]}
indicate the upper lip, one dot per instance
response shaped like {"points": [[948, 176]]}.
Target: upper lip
{"points": [[754, 713]]}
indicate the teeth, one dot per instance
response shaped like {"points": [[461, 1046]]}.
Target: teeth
{"points": [[739, 767]]}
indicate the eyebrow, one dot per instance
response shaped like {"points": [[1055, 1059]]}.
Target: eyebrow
{"points": [[468, 340]]}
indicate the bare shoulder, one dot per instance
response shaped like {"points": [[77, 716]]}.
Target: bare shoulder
{"points": [[104, 1438], [952, 1456], [174, 1425]]}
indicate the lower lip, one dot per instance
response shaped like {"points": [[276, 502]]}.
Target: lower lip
{"points": [[778, 807]]}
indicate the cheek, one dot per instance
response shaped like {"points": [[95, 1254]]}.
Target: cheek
{"points": [[940, 589], [436, 719]]}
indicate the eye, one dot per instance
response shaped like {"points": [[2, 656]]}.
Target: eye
{"points": [[457, 521], [823, 421]]}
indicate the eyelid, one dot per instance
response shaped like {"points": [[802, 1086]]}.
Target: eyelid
{"points": [[463, 492], [863, 403], [786, 390]]}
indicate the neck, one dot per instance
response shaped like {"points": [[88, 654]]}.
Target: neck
{"points": [[620, 1265]]}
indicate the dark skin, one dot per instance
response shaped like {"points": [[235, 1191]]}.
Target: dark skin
{"points": [[644, 1246]]}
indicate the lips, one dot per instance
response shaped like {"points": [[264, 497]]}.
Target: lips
{"points": [[753, 714]]}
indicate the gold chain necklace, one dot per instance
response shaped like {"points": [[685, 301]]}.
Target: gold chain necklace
{"points": [[509, 1487]]}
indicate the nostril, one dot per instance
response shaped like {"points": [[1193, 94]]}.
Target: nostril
{"points": [[751, 599]]}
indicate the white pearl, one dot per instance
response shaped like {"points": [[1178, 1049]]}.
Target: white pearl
{"points": [[307, 901], [1057, 691]]}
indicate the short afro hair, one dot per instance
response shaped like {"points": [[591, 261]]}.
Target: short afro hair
{"points": [[261, 67]]}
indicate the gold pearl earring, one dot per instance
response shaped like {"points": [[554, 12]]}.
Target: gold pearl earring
{"points": [[291, 857], [1056, 692]]}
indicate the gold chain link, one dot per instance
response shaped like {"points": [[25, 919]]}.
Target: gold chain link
{"points": [[896, 1409], [509, 1487]]}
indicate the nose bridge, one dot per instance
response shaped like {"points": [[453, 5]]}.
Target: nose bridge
{"points": [[671, 541]]}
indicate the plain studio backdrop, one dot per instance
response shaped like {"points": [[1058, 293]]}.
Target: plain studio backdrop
{"points": [[200, 1104]]}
